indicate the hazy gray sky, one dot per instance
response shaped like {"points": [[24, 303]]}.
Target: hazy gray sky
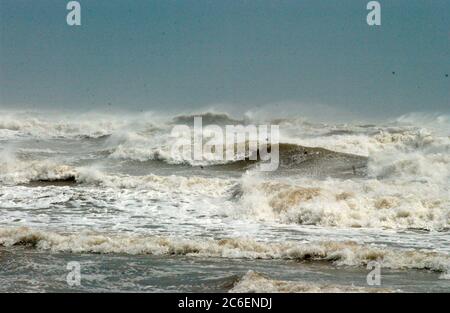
{"points": [[188, 54]]}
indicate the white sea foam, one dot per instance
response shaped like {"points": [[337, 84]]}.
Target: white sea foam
{"points": [[346, 203], [445, 276], [166, 183], [416, 157]]}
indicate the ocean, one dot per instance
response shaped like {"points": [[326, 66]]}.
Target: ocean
{"points": [[107, 191]]}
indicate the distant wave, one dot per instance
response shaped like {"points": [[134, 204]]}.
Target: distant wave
{"points": [[208, 118], [439, 123], [291, 156], [314, 161], [42, 127]]}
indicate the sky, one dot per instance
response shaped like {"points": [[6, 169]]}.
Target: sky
{"points": [[312, 56]]}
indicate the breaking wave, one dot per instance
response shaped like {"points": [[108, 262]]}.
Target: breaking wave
{"points": [[346, 203], [254, 282], [46, 172], [337, 253], [21, 172], [314, 161]]}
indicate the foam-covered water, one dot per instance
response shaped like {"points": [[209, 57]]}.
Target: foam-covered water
{"points": [[344, 194]]}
